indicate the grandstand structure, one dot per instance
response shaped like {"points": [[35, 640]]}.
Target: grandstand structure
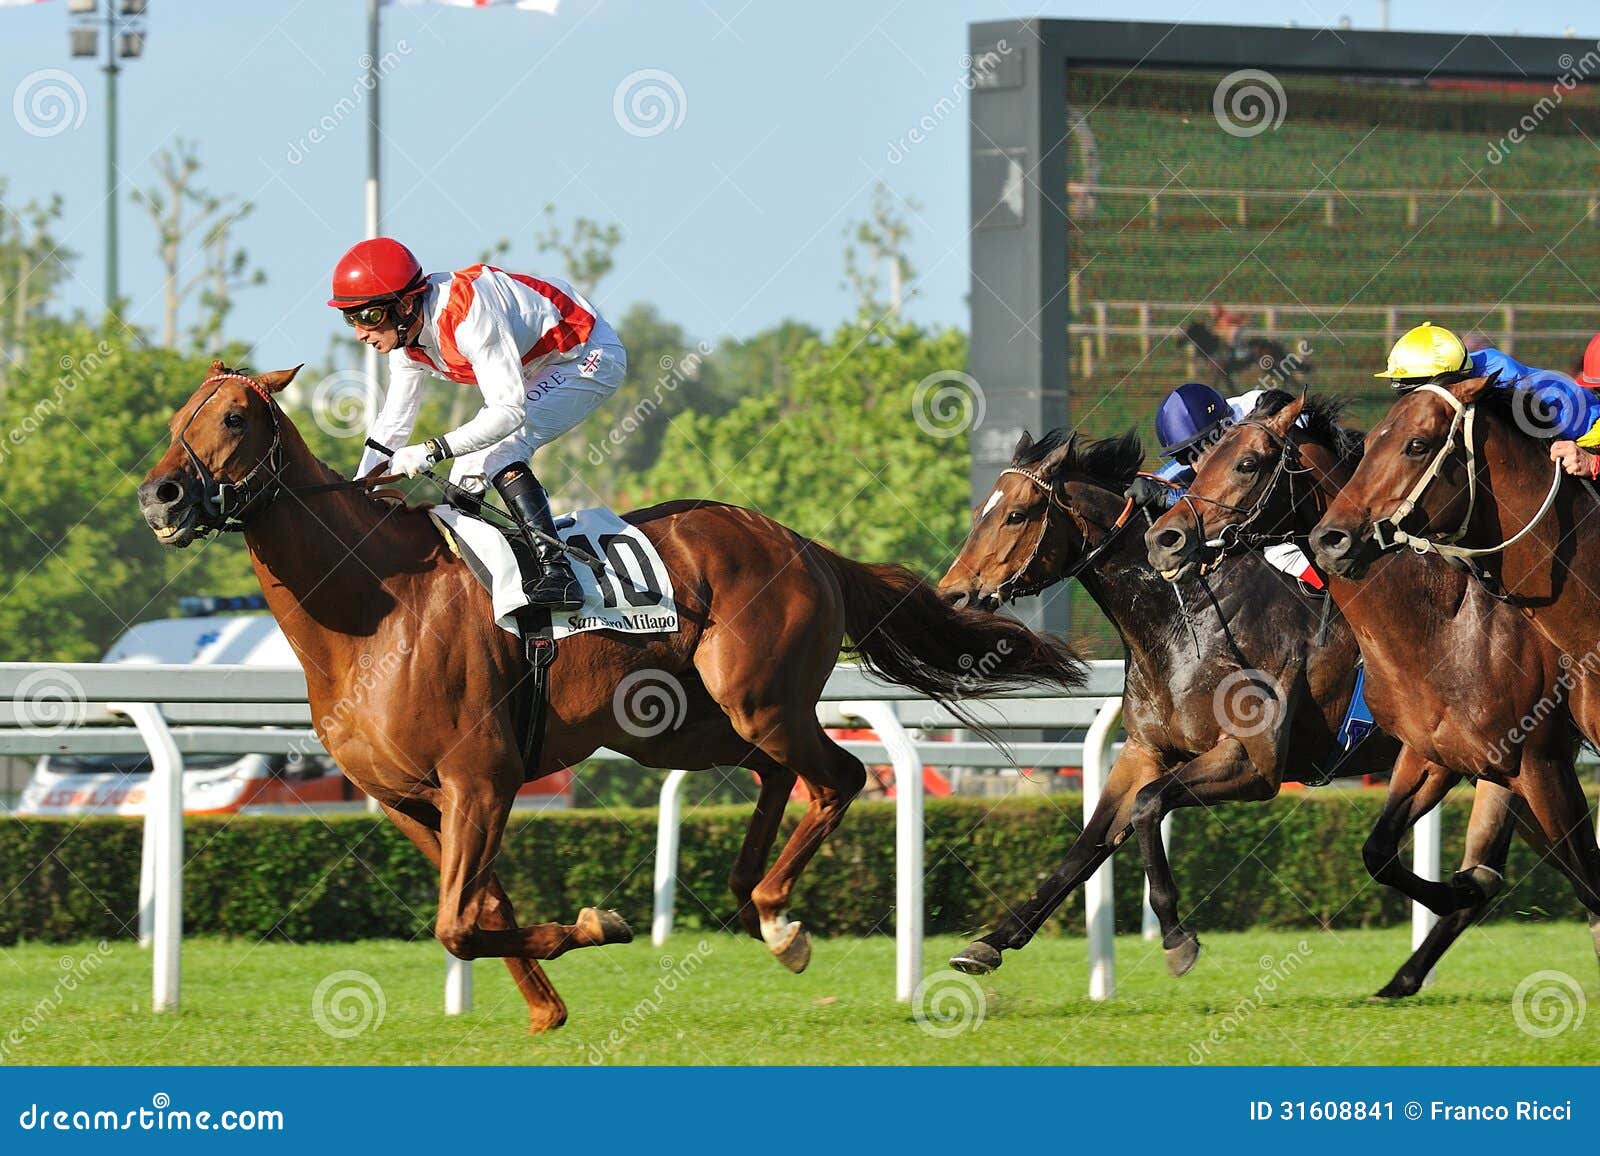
{"points": [[1324, 189]]}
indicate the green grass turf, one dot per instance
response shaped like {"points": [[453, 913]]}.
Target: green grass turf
{"points": [[252, 1004]]}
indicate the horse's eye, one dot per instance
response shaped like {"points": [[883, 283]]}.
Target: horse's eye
{"points": [[234, 421], [1016, 517], [1416, 448], [1248, 464]]}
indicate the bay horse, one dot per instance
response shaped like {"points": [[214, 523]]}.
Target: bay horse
{"points": [[1241, 658], [1424, 626], [416, 692]]}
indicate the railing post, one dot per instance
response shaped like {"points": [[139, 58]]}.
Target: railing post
{"points": [[1097, 895], [457, 985], [147, 870], [1425, 862], [164, 804], [668, 813], [908, 839]]}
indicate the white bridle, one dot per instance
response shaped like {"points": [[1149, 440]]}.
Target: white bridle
{"points": [[1460, 421]]}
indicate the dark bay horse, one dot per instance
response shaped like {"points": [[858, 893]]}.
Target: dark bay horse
{"points": [[1425, 627], [1246, 665], [416, 691]]}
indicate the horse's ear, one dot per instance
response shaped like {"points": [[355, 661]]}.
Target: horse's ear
{"points": [[217, 367], [279, 378], [1058, 457], [1280, 422], [1023, 444], [1473, 389]]}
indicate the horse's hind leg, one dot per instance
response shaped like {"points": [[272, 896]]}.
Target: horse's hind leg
{"points": [[1488, 840], [1416, 786], [1136, 767], [545, 1007], [1560, 811], [777, 781]]}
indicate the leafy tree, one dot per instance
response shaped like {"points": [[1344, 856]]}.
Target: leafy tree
{"points": [[877, 249], [837, 453], [32, 265]]}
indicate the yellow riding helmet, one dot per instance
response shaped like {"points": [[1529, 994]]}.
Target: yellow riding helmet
{"points": [[1424, 352]]}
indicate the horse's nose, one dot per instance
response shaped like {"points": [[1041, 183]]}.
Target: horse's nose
{"points": [[1167, 546], [1332, 546], [159, 497]]}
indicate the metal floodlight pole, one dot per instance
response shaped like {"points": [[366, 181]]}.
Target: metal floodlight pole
{"points": [[112, 281], [372, 391]]}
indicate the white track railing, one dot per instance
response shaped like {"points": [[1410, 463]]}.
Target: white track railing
{"points": [[86, 708]]}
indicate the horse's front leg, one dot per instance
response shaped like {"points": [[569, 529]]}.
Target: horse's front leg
{"points": [[1229, 771], [473, 817]]}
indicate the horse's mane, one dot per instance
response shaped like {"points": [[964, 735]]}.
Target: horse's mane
{"points": [[1321, 414], [1114, 460]]}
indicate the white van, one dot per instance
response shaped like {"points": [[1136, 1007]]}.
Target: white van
{"points": [[214, 784]]}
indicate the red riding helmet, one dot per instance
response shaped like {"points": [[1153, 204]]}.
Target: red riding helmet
{"points": [[1590, 374], [373, 271]]}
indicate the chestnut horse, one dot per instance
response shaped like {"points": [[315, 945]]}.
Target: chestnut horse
{"points": [[1224, 706], [416, 691], [1424, 627]]}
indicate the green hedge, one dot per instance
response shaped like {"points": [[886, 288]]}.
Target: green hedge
{"points": [[1295, 862]]}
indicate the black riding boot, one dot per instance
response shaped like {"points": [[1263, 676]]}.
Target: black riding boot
{"points": [[555, 587]]}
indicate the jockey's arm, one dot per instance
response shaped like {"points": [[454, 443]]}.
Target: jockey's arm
{"points": [[395, 420], [497, 363]]}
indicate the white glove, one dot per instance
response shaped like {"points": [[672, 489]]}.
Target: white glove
{"points": [[411, 460]]}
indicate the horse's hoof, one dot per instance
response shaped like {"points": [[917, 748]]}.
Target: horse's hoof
{"points": [[603, 926], [1396, 988], [1477, 885], [547, 1021], [1182, 955], [794, 949], [977, 958]]}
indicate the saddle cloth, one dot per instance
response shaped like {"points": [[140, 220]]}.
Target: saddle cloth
{"points": [[632, 593]]}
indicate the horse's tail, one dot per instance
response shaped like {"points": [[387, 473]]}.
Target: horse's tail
{"points": [[902, 631]]}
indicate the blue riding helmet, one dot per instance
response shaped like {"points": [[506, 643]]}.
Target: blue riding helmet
{"points": [[1187, 415]]}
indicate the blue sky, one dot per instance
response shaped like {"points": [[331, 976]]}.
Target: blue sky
{"points": [[733, 217]]}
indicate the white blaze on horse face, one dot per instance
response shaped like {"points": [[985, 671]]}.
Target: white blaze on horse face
{"points": [[994, 500]]}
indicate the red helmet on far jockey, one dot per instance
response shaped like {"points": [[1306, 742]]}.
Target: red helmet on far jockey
{"points": [[1589, 375], [375, 271]]}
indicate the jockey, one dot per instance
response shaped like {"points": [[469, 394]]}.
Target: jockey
{"points": [[542, 355], [1188, 421], [1571, 411]]}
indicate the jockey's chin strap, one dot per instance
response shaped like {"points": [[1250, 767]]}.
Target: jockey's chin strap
{"points": [[231, 506], [1013, 588], [1461, 421]]}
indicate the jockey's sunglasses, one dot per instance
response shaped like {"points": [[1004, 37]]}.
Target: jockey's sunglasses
{"points": [[368, 316]]}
